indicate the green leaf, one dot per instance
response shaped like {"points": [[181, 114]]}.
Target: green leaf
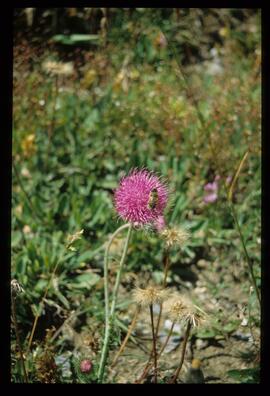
{"points": [[206, 333], [75, 38], [41, 284], [231, 326], [85, 281], [16, 238], [251, 375]]}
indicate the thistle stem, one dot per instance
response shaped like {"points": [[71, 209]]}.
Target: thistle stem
{"points": [[148, 368], [109, 314], [177, 372], [154, 342], [148, 364], [166, 270], [106, 258], [246, 253], [118, 277], [18, 337]]}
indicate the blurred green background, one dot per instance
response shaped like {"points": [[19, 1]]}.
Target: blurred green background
{"points": [[100, 91]]}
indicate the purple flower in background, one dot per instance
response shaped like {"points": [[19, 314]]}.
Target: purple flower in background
{"points": [[211, 186], [209, 198], [212, 189], [141, 198]]}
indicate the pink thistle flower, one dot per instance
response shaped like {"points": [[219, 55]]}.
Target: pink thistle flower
{"points": [[141, 197], [86, 366]]}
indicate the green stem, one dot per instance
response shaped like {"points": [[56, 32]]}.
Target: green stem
{"points": [[109, 314], [106, 259], [166, 270], [118, 277], [246, 253]]}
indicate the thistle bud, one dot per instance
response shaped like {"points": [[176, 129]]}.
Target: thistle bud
{"points": [[86, 366]]}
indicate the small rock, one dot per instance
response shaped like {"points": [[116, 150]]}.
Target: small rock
{"points": [[201, 344], [244, 322], [202, 263]]}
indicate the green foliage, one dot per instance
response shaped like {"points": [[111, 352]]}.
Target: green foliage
{"points": [[245, 376]]}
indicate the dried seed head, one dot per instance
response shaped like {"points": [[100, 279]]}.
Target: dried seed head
{"points": [[194, 316], [176, 310], [175, 236], [16, 287], [182, 310], [150, 295]]}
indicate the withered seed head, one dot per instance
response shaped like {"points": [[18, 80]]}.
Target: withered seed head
{"points": [[175, 236], [182, 310], [150, 295]]}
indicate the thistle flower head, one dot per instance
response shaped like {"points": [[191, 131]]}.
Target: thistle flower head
{"points": [[141, 197], [149, 296], [175, 236]]}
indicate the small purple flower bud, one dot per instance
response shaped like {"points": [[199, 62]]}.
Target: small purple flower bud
{"points": [[86, 366]]}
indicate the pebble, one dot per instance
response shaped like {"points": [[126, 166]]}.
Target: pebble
{"points": [[202, 263], [201, 344]]}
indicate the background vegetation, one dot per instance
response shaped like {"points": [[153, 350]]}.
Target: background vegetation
{"points": [[96, 93]]}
